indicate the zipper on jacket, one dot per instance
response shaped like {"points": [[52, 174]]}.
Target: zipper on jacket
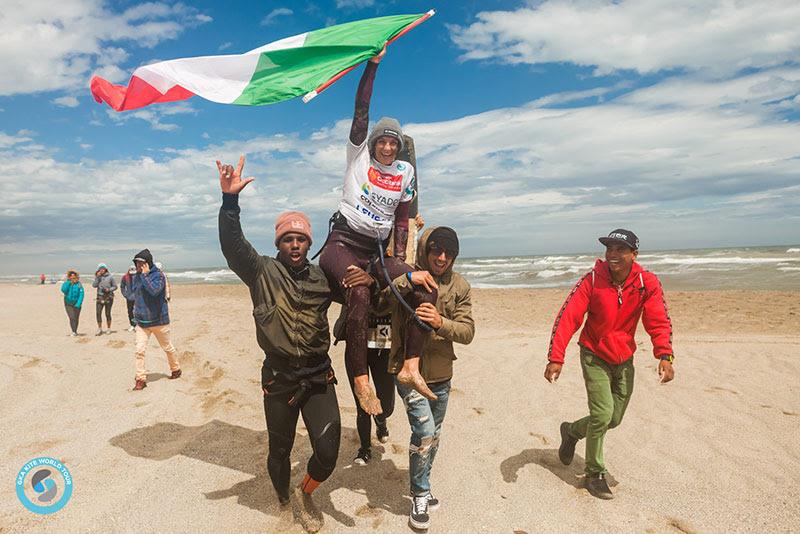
{"points": [[619, 295]]}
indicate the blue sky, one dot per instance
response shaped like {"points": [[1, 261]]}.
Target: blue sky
{"points": [[539, 125]]}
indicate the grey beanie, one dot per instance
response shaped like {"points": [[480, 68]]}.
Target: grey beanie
{"points": [[386, 127]]}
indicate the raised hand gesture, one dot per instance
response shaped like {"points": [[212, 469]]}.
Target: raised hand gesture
{"points": [[230, 179]]}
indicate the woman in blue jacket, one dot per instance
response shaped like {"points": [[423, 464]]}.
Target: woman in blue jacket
{"points": [[73, 299]]}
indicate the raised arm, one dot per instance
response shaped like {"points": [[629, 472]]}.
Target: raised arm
{"points": [[242, 258], [358, 130]]}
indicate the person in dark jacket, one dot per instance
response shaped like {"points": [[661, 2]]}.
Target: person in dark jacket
{"points": [[614, 295], [105, 284], [151, 314], [290, 307], [73, 299], [127, 292]]}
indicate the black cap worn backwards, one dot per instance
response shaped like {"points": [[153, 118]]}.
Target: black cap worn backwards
{"points": [[620, 235]]}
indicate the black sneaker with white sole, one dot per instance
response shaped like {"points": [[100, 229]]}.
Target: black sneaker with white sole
{"points": [[363, 457], [433, 503], [419, 517], [381, 432]]}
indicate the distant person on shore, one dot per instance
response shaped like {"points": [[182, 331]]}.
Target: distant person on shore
{"points": [[126, 287], [614, 294], [290, 298], [168, 287], [105, 284], [151, 314], [42, 279], [73, 299], [452, 322]]}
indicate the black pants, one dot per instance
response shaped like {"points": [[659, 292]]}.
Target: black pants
{"points": [[130, 304], [378, 361], [74, 314], [321, 416], [99, 309]]}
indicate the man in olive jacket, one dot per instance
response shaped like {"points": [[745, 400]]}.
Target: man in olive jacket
{"points": [[451, 320], [290, 306]]}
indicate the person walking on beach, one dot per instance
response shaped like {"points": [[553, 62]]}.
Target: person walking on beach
{"points": [[125, 287], [42, 279], [73, 299], [378, 190], [452, 322], [614, 295], [105, 284], [290, 298], [151, 313]]}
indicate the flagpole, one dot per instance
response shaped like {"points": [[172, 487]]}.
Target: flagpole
{"points": [[310, 96]]}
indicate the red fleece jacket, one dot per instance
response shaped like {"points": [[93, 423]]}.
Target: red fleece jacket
{"points": [[612, 315]]}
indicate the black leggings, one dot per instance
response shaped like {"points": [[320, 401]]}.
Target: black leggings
{"points": [[130, 304], [336, 256], [99, 309], [74, 315], [321, 415], [378, 360]]}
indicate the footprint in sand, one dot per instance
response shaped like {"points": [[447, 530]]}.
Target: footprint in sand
{"points": [[541, 437], [398, 449], [477, 410], [83, 340], [368, 512], [717, 389], [116, 343], [680, 525], [786, 412]]}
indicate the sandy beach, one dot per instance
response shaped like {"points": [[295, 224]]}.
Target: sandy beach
{"points": [[714, 451]]}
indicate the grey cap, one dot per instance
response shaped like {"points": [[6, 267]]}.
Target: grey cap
{"points": [[386, 127]]}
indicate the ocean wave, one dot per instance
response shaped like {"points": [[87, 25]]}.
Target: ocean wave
{"points": [[792, 250]]}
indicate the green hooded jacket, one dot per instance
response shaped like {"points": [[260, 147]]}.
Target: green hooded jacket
{"points": [[290, 307], [454, 305]]}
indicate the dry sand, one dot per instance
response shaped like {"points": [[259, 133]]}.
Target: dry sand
{"points": [[715, 451]]}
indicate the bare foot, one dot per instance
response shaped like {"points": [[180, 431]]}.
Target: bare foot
{"points": [[411, 378], [305, 511], [366, 396]]}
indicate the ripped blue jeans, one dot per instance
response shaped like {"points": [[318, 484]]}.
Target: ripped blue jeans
{"points": [[426, 419]]}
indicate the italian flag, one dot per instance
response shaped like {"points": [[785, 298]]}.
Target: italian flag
{"points": [[303, 64]]}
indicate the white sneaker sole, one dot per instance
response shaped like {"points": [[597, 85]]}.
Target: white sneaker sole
{"points": [[417, 525]]}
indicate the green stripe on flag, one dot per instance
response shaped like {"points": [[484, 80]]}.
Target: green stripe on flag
{"points": [[283, 74]]}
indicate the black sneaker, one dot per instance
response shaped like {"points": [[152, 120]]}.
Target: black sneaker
{"points": [[363, 457], [597, 486], [567, 449], [433, 503], [381, 432], [419, 517]]}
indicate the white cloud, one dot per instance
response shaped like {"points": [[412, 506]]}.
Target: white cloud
{"points": [[274, 14], [56, 46], [66, 101], [721, 36], [355, 4], [154, 115], [225, 46], [668, 160]]}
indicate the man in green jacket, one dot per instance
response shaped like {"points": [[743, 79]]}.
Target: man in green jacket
{"points": [[451, 320], [290, 306]]}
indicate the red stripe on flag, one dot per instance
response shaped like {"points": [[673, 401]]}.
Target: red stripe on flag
{"points": [[138, 94]]}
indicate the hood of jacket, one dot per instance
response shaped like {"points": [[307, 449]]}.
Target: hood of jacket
{"points": [[422, 257]]}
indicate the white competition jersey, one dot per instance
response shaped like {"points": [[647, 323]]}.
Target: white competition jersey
{"points": [[373, 191]]}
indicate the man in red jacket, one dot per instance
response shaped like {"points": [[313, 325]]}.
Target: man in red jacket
{"points": [[614, 294]]}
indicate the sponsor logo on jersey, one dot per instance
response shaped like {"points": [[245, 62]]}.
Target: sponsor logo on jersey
{"points": [[384, 180], [401, 166]]}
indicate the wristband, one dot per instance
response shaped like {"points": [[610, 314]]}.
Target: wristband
{"points": [[667, 357], [408, 275]]}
